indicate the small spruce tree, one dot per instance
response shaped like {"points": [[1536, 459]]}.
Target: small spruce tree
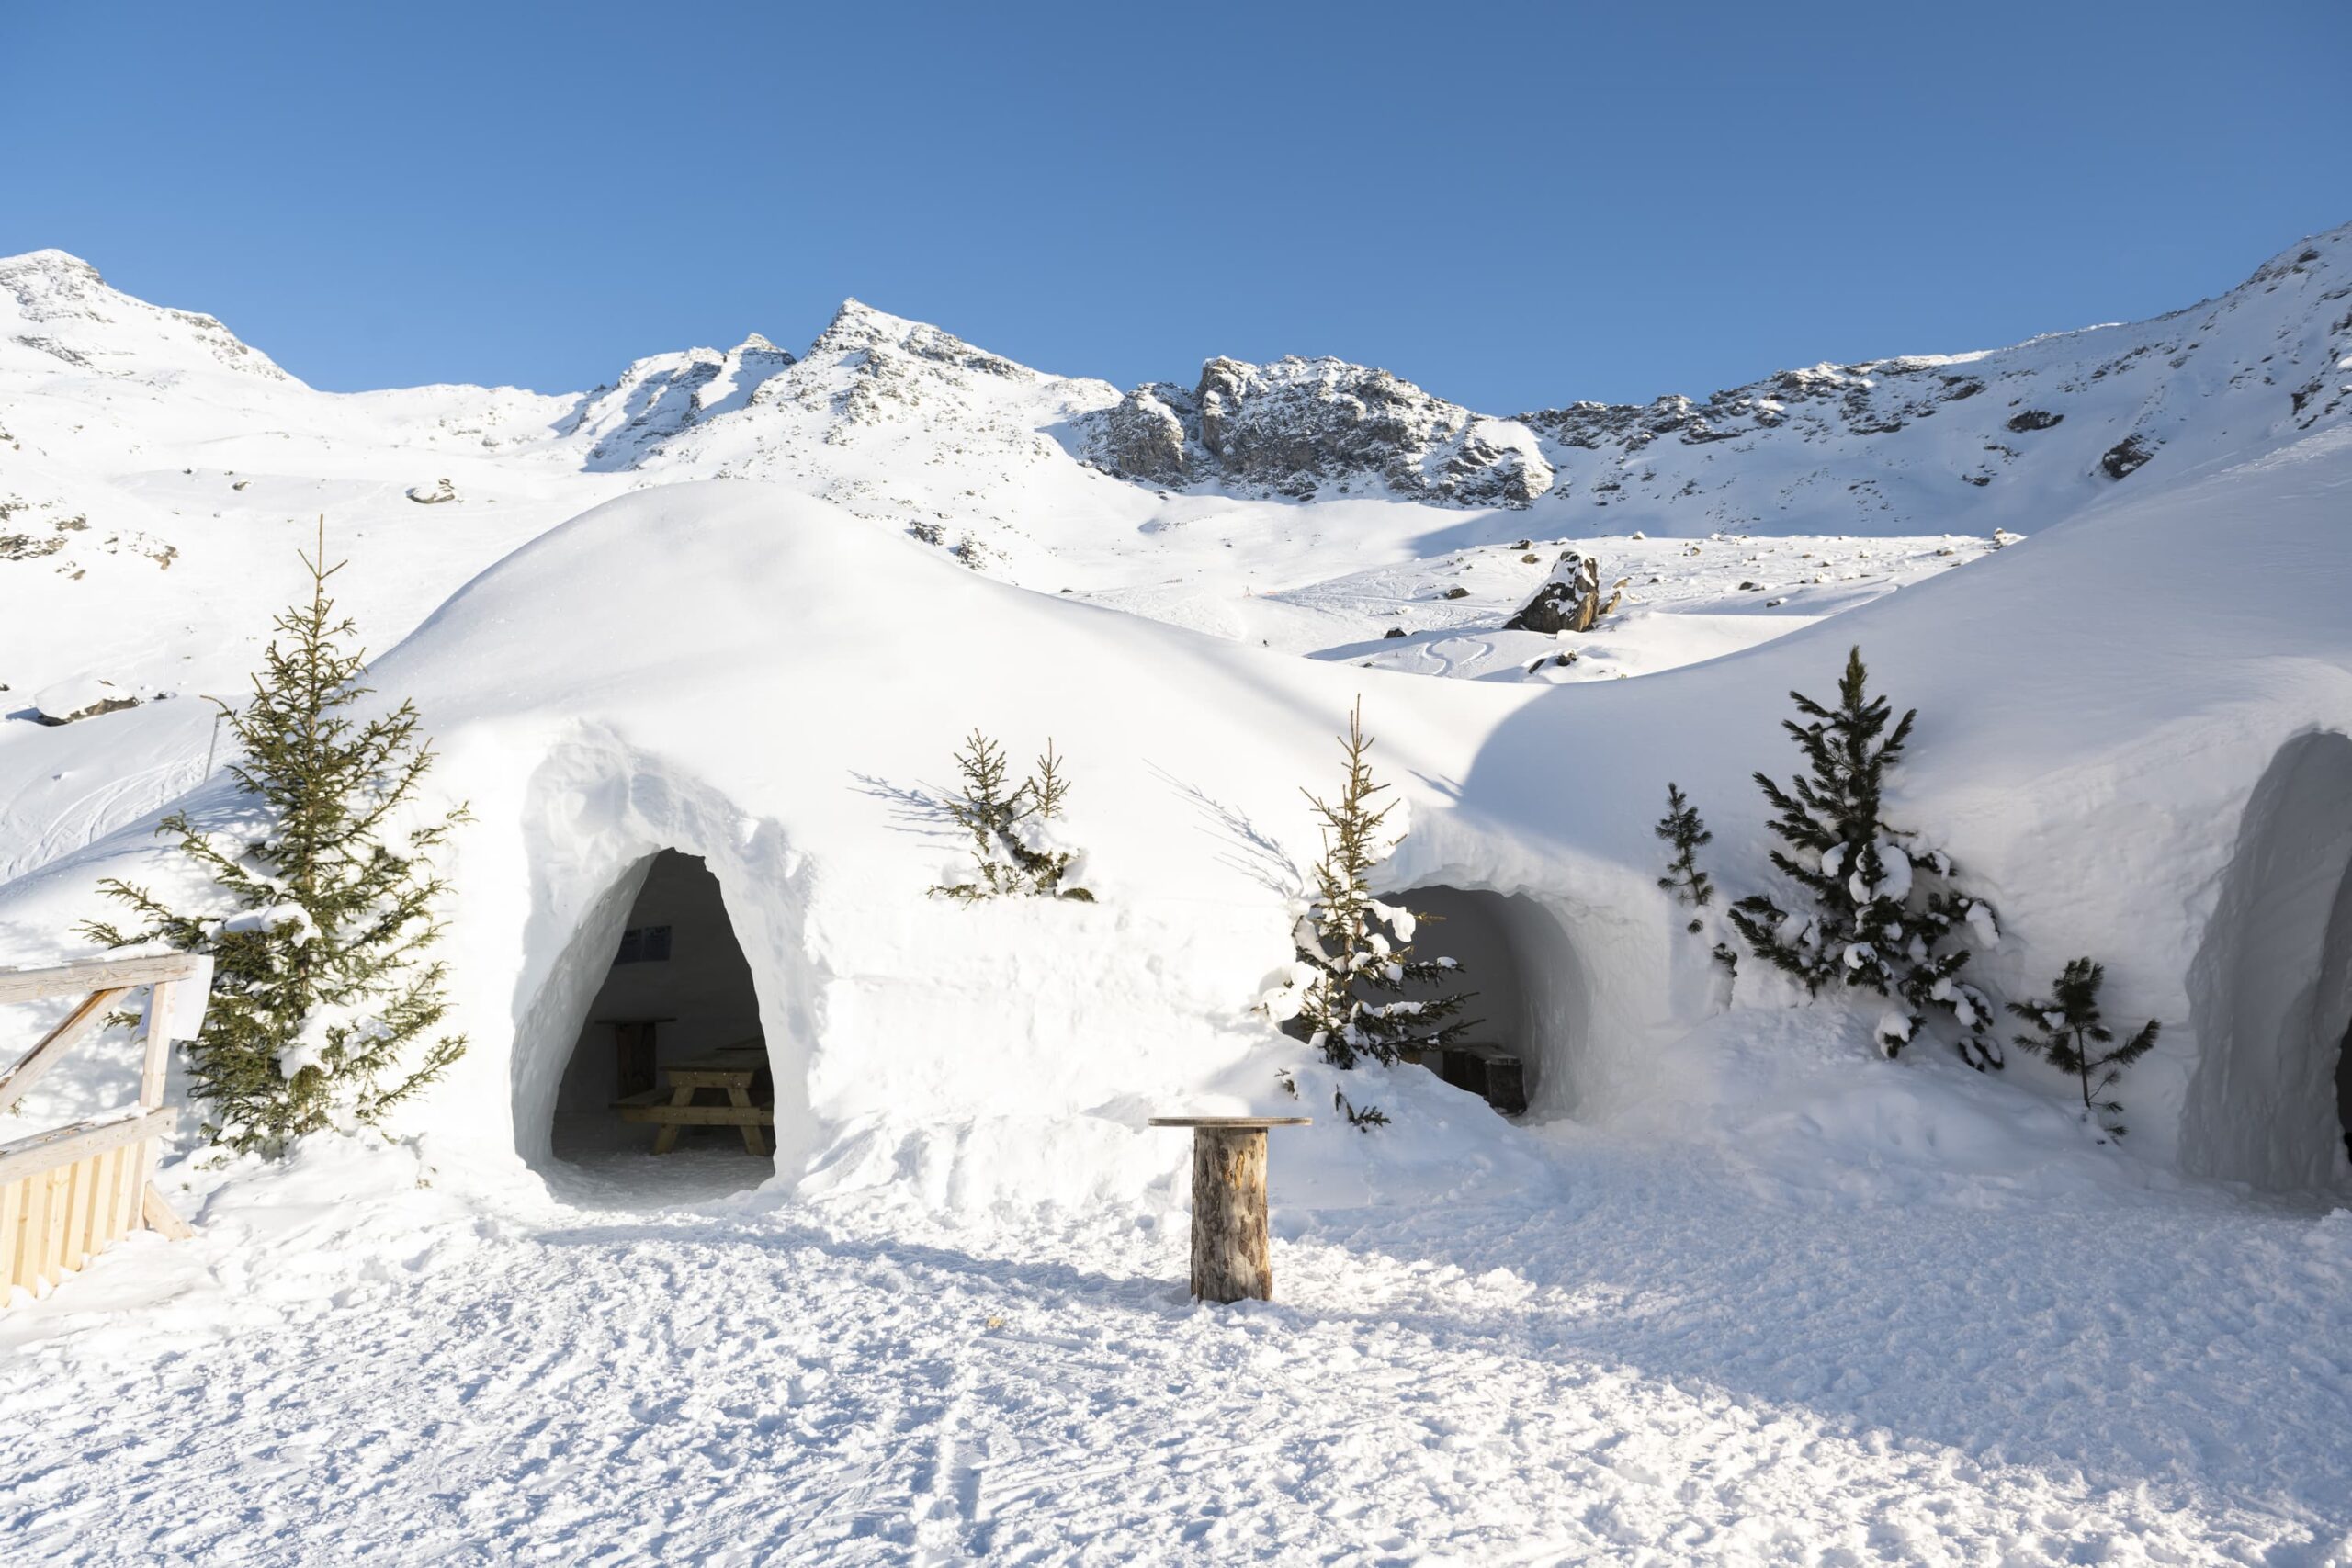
{"points": [[1874, 921], [325, 1005], [1014, 852], [2072, 1037], [1355, 958], [1681, 828]]}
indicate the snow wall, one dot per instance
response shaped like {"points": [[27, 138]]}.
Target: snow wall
{"points": [[2271, 993]]}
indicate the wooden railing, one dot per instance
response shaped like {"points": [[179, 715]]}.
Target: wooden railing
{"points": [[69, 1194]]}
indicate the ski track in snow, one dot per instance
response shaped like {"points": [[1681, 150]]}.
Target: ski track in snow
{"points": [[1685, 1363]]}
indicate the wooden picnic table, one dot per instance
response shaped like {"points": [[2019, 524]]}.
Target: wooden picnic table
{"points": [[731, 1070]]}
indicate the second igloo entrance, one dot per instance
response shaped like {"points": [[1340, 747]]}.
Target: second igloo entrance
{"points": [[669, 1077], [1514, 1014]]}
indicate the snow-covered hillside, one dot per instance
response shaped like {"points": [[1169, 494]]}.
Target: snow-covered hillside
{"points": [[1735, 1289], [155, 468]]}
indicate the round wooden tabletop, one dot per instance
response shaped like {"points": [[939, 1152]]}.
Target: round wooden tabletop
{"points": [[1236, 1121]]}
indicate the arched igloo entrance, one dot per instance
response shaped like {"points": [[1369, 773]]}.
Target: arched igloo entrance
{"points": [[1528, 1001], [2270, 992], [668, 1083]]}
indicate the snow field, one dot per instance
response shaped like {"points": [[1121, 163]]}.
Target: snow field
{"points": [[1679, 1362]]}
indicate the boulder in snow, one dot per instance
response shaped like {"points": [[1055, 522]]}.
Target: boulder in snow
{"points": [[433, 494], [2127, 455], [84, 696], [1569, 600]]}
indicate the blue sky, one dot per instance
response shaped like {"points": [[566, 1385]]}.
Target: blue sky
{"points": [[1513, 205]]}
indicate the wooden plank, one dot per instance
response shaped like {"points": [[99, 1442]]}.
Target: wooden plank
{"points": [[155, 1047], [156, 1210], [681, 1097], [101, 1205], [141, 1159], [713, 1078], [52, 1244], [12, 1225], [110, 1203], [675, 1116], [30, 1230], [81, 1193], [154, 1064], [113, 1163], [740, 1100], [53, 1045], [46, 1151], [95, 975], [1232, 1123]]}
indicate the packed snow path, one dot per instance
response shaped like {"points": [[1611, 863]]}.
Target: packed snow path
{"points": [[1668, 1360]]}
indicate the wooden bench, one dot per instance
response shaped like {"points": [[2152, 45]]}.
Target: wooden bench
{"points": [[731, 1070], [1491, 1073]]}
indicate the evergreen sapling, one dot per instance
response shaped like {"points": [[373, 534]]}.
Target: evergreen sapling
{"points": [[1872, 921], [2073, 1038], [1681, 828], [326, 1005], [1355, 959], [1013, 849]]}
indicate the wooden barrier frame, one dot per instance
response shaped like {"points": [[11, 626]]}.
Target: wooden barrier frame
{"points": [[68, 1194]]}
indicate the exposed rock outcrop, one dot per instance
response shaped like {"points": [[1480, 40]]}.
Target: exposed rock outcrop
{"points": [[1144, 437], [1306, 427]]}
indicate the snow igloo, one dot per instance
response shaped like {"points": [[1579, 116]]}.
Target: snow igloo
{"points": [[679, 993], [1528, 996]]}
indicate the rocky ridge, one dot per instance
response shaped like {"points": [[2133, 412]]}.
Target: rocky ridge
{"points": [[1302, 427], [1829, 443]]}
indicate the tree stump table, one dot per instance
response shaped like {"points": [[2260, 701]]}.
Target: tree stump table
{"points": [[1232, 1260]]}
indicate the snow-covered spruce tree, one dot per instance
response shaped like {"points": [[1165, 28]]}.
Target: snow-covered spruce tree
{"points": [[324, 1006], [2072, 1037], [1355, 959], [1681, 828], [1013, 849], [1872, 919]]}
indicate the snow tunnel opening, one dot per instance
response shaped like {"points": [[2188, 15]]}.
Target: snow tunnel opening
{"points": [[2271, 991], [1525, 992], [668, 1085]]}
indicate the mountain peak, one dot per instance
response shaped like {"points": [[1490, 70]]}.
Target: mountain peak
{"points": [[78, 319], [63, 263], [859, 329]]}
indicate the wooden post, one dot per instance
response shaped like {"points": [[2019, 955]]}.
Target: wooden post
{"points": [[634, 1054], [1232, 1259], [154, 1062]]}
